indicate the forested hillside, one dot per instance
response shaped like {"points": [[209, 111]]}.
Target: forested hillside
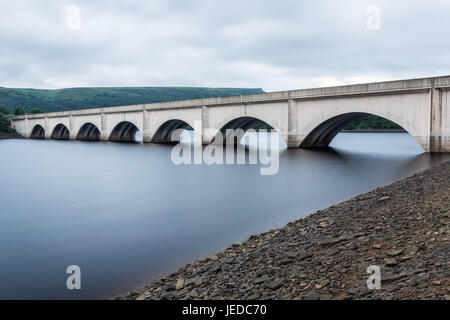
{"points": [[372, 122], [83, 98]]}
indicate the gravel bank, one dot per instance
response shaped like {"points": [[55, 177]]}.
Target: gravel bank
{"points": [[403, 228]]}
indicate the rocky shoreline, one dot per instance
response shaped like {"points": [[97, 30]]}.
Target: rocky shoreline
{"points": [[403, 228]]}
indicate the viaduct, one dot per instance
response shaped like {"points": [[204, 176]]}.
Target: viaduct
{"points": [[303, 118]]}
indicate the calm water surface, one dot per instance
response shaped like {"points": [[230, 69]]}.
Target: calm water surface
{"points": [[126, 214]]}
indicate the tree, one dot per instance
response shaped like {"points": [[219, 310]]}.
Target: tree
{"points": [[35, 111], [3, 110], [5, 124], [19, 111]]}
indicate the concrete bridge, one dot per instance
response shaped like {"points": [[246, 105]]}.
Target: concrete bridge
{"points": [[304, 118]]}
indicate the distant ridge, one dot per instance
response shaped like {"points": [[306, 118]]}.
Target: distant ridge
{"points": [[100, 97]]}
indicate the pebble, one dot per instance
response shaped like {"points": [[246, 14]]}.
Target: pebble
{"points": [[180, 284]]}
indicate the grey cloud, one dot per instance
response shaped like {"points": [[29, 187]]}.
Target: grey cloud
{"points": [[275, 45]]}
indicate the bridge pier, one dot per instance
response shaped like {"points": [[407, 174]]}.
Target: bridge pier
{"points": [[208, 135], [48, 133], [147, 137], [440, 118], [72, 133], [103, 128], [104, 136], [294, 139]]}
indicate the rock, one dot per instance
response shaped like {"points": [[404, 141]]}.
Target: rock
{"points": [[389, 278], [143, 297], [193, 294], [352, 291], [323, 224], [322, 283], [261, 279], [254, 296], [411, 251], [376, 246], [303, 284], [275, 284], [390, 262], [355, 235], [180, 284], [193, 281], [167, 296], [404, 258], [284, 262], [213, 257], [329, 242], [303, 255], [394, 252], [313, 296], [215, 269], [384, 198], [291, 254], [304, 231]]}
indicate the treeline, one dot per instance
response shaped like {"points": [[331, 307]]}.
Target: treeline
{"points": [[372, 122], [86, 98], [5, 115], [368, 122], [5, 123]]}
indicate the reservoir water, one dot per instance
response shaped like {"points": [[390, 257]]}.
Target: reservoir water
{"points": [[126, 214]]}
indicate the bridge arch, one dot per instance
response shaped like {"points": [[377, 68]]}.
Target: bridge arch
{"points": [[38, 132], [327, 116], [124, 131], [88, 132], [164, 133], [322, 133], [60, 132], [245, 123]]}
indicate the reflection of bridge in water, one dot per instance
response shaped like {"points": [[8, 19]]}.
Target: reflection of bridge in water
{"points": [[303, 118]]}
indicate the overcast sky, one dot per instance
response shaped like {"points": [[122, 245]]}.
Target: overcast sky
{"points": [[275, 45]]}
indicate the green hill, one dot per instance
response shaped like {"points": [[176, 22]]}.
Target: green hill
{"points": [[86, 98]]}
